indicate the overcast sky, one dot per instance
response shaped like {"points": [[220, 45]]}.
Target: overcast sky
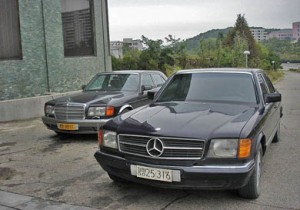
{"points": [[184, 19]]}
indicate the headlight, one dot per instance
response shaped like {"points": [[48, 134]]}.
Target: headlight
{"points": [[109, 139], [223, 148], [101, 111], [96, 111], [49, 109]]}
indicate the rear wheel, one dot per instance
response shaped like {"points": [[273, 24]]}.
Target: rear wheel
{"points": [[277, 135], [252, 189]]}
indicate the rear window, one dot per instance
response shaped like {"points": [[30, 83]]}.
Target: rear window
{"points": [[217, 87]]}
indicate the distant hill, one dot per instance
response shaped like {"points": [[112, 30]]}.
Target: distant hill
{"points": [[193, 42]]}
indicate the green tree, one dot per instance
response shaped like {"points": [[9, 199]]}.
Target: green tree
{"points": [[149, 58], [242, 29], [239, 46]]}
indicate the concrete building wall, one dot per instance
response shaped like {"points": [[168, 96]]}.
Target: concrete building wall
{"points": [[26, 77], [44, 67], [284, 34], [296, 31]]}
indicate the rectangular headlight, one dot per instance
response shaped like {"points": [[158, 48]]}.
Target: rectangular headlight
{"points": [[223, 148], [49, 109], [96, 111], [109, 139]]}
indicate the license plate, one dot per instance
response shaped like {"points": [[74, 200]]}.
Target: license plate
{"points": [[158, 174], [67, 127]]}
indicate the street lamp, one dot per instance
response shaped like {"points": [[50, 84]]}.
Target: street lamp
{"points": [[246, 53], [273, 65]]}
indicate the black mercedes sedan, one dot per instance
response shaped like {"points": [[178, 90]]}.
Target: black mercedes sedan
{"points": [[104, 97], [205, 129]]}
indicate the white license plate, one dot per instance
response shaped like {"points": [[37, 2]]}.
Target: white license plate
{"points": [[158, 174]]}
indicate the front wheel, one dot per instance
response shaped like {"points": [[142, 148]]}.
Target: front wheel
{"points": [[252, 189]]}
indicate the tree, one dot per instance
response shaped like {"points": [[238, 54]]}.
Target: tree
{"points": [[149, 58], [241, 27]]}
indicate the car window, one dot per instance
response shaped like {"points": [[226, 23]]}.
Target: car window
{"points": [[226, 87], [158, 80], [146, 80], [114, 82], [262, 84], [269, 84]]}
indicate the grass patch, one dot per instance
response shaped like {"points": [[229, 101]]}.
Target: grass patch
{"points": [[275, 76]]}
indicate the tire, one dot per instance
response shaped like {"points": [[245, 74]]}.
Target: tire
{"points": [[252, 189], [276, 138], [116, 179]]}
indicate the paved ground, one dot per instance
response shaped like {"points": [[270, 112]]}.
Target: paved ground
{"points": [[36, 162]]}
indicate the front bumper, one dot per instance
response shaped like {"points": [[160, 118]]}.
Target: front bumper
{"points": [[194, 177], [84, 126]]}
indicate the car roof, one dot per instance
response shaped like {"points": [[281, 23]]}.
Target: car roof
{"points": [[231, 70], [130, 71]]}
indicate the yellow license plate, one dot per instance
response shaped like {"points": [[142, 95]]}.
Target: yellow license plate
{"points": [[67, 127]]}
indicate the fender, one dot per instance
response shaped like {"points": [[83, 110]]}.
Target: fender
{"points": [[261, 139]]}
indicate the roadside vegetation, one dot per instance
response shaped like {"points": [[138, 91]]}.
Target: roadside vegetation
{"points": [[295, 70], [223, 51]]}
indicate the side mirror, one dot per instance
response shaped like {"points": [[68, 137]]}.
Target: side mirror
{"points": [[146, 87], [83, 87], [273, 97], [151, 94]]}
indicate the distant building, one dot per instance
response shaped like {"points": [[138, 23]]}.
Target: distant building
{"points": [[134, 43], [116, 47], [284, 34], [296, 31], [259, 34]]}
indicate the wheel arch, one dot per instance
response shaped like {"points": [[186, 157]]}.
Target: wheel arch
{"points": [[261, 140], [126, 106]]}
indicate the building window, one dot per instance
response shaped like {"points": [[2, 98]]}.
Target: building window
{"points": [[78, 27], [10, 38]]}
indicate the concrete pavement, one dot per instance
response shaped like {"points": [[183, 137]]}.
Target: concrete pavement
{"points": [[36, 162], [13, 201]]}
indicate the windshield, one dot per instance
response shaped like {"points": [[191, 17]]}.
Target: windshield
{"points": [[114, 82], [217, 87]]}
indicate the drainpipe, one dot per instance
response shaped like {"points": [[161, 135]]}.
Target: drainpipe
{"points": [[105, 30], [45, 48]]}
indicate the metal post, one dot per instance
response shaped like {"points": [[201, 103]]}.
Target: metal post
{"points": [[273, 65], [246, 53]]}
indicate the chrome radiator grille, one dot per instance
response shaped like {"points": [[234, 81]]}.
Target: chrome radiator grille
{"points": [[69, 111], [167, 147]]}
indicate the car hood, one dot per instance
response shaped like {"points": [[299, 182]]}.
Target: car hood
{"points": [[88, 97], [191, 120]]}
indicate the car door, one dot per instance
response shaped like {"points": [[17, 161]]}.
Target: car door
{"points": [[269, 111], [275, 107]]}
